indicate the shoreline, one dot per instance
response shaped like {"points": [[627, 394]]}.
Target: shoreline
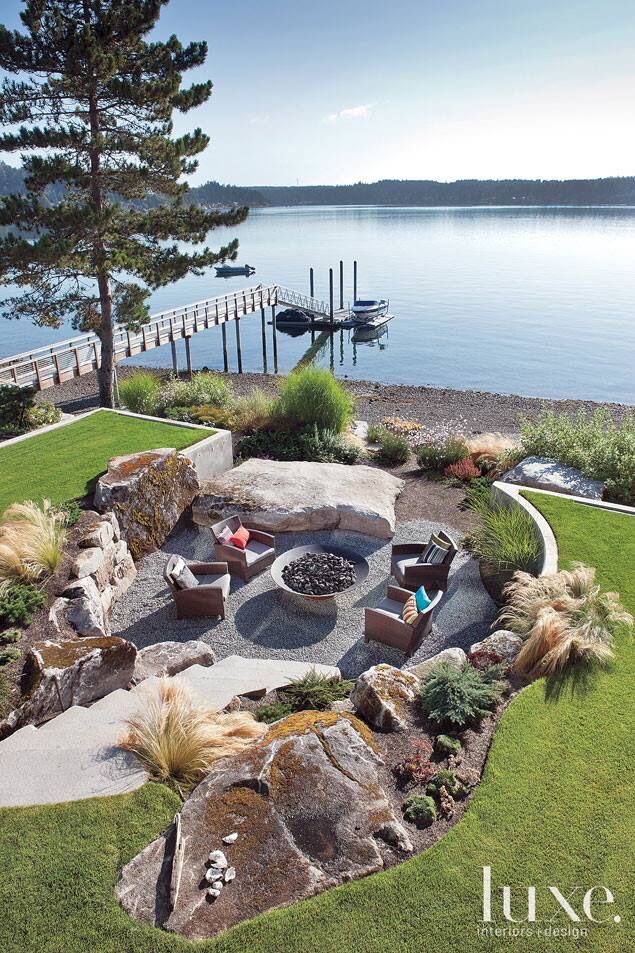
{"points": [[471, 411]]}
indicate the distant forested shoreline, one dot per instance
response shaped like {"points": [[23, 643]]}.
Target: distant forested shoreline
{"points": [[608, 191]]}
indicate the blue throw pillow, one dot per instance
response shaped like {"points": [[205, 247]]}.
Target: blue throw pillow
{"points": [[422, 599]]}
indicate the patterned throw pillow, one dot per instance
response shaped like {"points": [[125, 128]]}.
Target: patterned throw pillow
{"points": [[410, 612]]}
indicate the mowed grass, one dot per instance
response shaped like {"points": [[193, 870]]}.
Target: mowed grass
{"points": [[555, 808], [64, 464]]}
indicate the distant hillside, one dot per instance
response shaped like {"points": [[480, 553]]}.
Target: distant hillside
{"points": [[612, 191]]}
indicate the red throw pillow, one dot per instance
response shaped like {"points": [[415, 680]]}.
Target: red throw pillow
{"points": [[240, 538]]}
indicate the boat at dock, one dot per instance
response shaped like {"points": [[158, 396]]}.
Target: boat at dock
{"points": [[365, 310], [227, 271]]}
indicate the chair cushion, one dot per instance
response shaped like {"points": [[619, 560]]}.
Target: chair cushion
{"points": [[422, 599], [409, 611], [389, 607], [182, 576], [256, 550], [402, 564], [221, 582], [240, 538]]}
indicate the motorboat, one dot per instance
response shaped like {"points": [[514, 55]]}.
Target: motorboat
{"points": [[227, 271], [293, 318], [365, 309]]}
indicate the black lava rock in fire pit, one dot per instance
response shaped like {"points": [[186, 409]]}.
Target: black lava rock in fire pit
{"points": [[319, 574]]}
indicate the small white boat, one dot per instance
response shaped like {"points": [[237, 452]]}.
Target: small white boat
{"points": [[366, 309]]}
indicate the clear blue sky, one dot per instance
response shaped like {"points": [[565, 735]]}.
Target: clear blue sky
{"points": [[347, 90]]}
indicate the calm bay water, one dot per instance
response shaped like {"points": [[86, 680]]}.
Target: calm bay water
{"points": [[536, 301]]}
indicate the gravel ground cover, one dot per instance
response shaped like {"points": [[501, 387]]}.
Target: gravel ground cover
{"points": [[264, 622], [440, 409]]}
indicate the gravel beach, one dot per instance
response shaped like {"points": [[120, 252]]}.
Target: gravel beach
{"points": [[468, 411]]}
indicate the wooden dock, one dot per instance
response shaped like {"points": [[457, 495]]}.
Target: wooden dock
{"points": [[45, 367]]}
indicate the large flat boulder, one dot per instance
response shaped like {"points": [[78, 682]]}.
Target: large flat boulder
{"points": [[309, 813], [170, 658], [147, 492], [540, 473], [277, 496]]}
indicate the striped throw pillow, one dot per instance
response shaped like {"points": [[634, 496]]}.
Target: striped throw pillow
{"points": [[436, 551], [410, 612]]}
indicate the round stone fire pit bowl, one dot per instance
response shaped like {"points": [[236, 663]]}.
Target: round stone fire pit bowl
{"points": [[359, 563]]}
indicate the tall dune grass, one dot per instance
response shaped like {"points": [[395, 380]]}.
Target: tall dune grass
{"points": [[31, 540], [179, 742]]}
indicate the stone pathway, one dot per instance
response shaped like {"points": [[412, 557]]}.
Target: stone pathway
{"points": [[75, 755], [263, 622]]}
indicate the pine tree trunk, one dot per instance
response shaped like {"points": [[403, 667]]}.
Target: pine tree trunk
{"points": [[106, 336]]}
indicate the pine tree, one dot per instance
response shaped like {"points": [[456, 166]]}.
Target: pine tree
{"points": [[88, 103]]}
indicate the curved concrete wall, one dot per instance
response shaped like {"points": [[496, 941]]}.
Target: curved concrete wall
{"points": [[510, 495]]}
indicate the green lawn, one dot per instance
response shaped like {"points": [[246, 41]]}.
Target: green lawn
{"points": [[555, 808], [65, 463]]}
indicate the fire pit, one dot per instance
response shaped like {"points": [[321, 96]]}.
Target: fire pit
{"points": [[318, 572]]}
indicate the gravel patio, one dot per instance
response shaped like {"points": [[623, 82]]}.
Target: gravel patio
{"points": [[266, 623]]}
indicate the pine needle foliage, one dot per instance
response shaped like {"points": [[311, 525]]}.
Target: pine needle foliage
{"points": [[88, 103]]}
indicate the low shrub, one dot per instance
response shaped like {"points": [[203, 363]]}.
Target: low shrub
{"points": [[504, 537], [445, 744], [463, 470], [19, 603], [457, 697], [315, 691], [564, 618], [178, 742], [439, 455], [207, 414], [311, 444], [41, 415], [420, 809], [313, 397], [139, 393], [69, 511], [9, 655], [10, 636], [393, 449], [416, 767], [596, 445], [273, 712], [204, 388], [31, 540], [448, 780], [15, 404], [490, 664]]}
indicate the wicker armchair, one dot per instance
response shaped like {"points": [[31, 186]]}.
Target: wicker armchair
{"points": [[384, 623], [259, 553], [410, 573], [209, 598]]}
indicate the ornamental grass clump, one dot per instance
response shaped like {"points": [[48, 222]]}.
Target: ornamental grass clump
{"points": [[315, 691], [598, 446], [458, 697], [564, 618], [312, 396], [31, 540], [394, 449], [139, 393], [204, 388], [437, 455], [179, 742], [504, 537]]}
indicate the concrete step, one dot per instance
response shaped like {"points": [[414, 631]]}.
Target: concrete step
{"points": [[19, 739], [70, 774]]}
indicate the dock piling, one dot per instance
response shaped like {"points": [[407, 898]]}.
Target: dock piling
{"points": [[341, 285], [188, 356], [175, 363], [331, 294], [263, 328], [239, 352], [275, 339], [311, 284], [354, 282], [223, 328]]}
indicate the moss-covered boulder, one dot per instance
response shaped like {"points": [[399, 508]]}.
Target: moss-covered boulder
{"points": [[309, 812], [383, 694], [147, 493]]}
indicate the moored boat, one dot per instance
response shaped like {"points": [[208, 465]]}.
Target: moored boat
{"points": [[226, 271], [366, 309]]}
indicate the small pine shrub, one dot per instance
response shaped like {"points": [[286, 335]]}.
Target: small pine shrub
{"points": [[70, 512], [9, 655], [317, 692], [438, 456], [462, 470], [457, 697], [416, 767], [312, 396], [19, 603], [445, 744], [139, 393], [448, 780], [10, 636], [393, 449], [15, 405], [420, 809], [273, 712]]}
